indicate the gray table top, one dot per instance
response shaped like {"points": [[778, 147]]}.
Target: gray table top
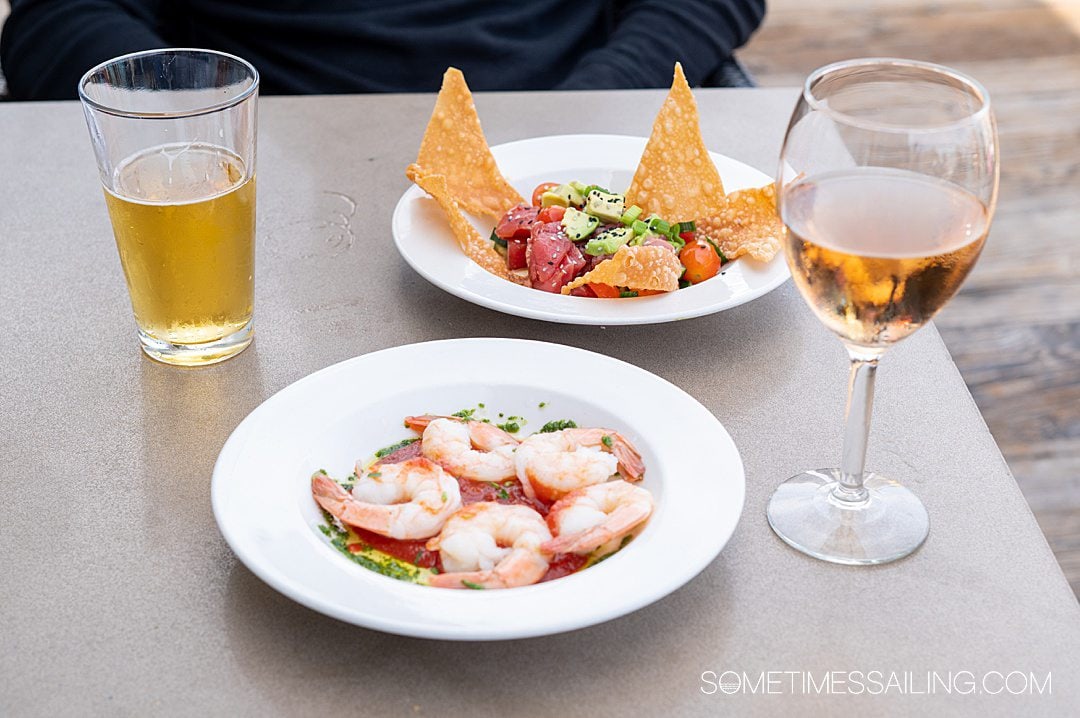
{"points": [[119, 595]]}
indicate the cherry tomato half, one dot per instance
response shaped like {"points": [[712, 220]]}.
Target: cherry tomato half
{"points": [[603, 291], [701, 262], [540, 189], [554, 213]]}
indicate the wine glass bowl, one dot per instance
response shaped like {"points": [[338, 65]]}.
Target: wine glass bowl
{"points": [[887, 185]]}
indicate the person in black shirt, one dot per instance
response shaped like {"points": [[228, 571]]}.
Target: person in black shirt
{"points": [[335, 46]]}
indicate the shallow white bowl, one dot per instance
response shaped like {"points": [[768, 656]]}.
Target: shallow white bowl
{"points": [[263, 505], [424, 239]]}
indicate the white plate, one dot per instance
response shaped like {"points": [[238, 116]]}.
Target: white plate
{"points": [[262, 498], [424, 239]]}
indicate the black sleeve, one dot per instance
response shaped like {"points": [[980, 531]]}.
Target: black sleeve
{"points": [[650, 35], [47, 45]]}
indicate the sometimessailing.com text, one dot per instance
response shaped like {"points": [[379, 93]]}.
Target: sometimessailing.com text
{"points": [[876, 683]]}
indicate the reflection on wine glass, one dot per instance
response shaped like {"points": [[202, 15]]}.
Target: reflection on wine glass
{"points": [[887, 184]]}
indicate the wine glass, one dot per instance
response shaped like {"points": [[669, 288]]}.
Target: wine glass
{"points": [[887, 183]]}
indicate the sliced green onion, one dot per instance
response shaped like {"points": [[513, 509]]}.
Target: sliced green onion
{"points": [[591, 187], [684, 283], [497, 239], [677, 241], [659, 226], [623, 294], [639, 227], [631, 215], [716, 247], [685, 227]]}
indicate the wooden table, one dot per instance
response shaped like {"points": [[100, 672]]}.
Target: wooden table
{"points": [[119, 595]]}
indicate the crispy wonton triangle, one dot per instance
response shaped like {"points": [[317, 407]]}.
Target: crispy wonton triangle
{"points": [[645, 267], [746, 223], [475, 247], [454, 147], [676, 178]]}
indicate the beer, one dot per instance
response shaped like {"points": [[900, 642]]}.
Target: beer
{"points": [[877, 252], [184, 220]]}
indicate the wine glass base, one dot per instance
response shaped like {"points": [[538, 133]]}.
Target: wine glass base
{"points": [[888, 525]]}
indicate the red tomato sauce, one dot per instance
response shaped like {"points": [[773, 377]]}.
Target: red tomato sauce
{"points": [[564, 564], [409, 451], [509, 491], [413, 552]]}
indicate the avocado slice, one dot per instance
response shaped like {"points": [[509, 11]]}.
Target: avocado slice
{"points": [[605, 205], [577, 224], [581, 187], [565, 195], [609, 241]]}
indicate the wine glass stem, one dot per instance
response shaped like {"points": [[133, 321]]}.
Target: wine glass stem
{"points": [[849, 490]]}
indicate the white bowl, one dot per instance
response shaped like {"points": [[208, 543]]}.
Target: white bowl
{"points": [[263, 505]]}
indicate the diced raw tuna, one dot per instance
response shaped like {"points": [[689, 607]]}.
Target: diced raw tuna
{"points": [[591, 261], [517, 222], [516, 253], [553, 259]]}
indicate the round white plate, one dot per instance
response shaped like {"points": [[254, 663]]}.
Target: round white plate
{"points": [[425, 241], [262, 498]]}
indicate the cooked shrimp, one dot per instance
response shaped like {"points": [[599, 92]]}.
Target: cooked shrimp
{"points": [[554, 464], [588, 518], [410, 500], [484, 436], [468, 449], [489, 545]]}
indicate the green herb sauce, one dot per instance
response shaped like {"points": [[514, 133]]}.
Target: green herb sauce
{"points": [[387, 450], [368, 557], [558, 425]]}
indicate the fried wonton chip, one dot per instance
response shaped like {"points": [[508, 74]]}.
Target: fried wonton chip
{"points": [[475, 247], [746, 223], [676, 178], [454, 147], [644, 267]]}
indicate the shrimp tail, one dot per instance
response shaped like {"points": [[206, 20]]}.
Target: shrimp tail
{"points": [[340, 504], [419, 423], [329, 494], [631, 466], [621, 522]]}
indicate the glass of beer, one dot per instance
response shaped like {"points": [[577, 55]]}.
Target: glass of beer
{"points": [[174, 135], [887, 183]]}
